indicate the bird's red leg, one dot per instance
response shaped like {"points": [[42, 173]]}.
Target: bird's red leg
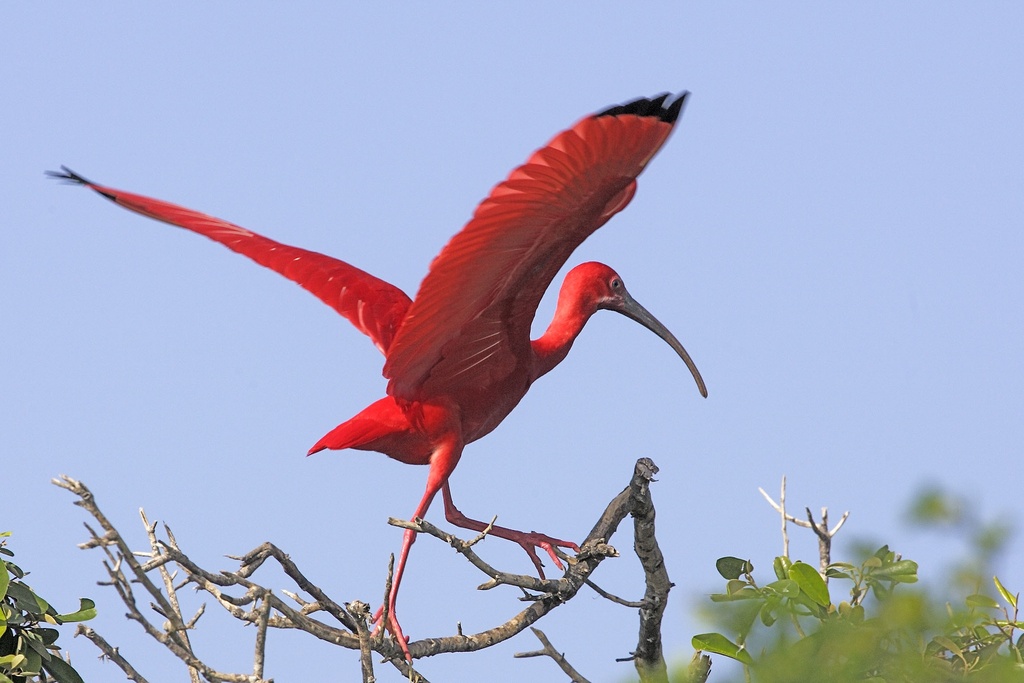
{"points": [[527, 540], [443, 461]]}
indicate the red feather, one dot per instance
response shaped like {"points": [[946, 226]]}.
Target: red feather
{"points": [[487, 282], [373, 306]]}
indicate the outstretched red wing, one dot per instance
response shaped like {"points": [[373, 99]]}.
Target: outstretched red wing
{"points": [[470, 322], [375, 307]]}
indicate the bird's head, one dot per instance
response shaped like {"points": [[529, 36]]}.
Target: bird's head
{"points": [[599, 287]]}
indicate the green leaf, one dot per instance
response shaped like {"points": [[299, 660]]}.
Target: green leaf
{"points": [[86, 611], [781, 566], [34, 639], [935, 507], [787, 588], [833, 573], [810, 583], [1011, 600], [48, 635], [904, 571], [12, 661], [979, 600], [853, 613], [842, 565], [5, 580], [16, 571], [948, 643], [720, 645], [767, 615], [733, 567], [24, 598], [32, 661], [746, 593], [62, 671]]}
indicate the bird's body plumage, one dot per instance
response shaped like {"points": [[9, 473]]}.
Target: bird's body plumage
{"points": [[459, 357]]}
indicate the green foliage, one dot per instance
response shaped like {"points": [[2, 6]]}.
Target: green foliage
{"points": [[879, 634], [939, 511], [28, 648], [789, 629]]}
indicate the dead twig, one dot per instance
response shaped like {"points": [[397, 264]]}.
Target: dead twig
{"points": [[360, 612], [699, 668], [614, 598], [110, 652], [550, 651], [648, 657], [239, 595], [821, 530]]}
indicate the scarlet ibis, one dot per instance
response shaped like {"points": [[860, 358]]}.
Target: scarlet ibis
{"points": [[459, 356]]}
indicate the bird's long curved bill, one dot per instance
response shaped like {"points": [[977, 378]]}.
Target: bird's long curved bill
{"points": [[633, 310]]}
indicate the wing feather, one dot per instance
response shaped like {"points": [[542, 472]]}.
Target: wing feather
{"points": [[374, 306], [478, 300]]}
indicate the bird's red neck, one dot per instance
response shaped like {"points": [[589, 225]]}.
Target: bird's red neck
{"points": [[572, 312]]}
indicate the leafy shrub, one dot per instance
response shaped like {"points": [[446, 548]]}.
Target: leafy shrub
{"points": [[28, 643], [790, 629]]}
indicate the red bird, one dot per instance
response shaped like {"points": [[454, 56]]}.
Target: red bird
{"points": [[459, 356]]}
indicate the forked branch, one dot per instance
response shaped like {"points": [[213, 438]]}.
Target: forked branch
{"points": [[164, 569], [820, 529]]}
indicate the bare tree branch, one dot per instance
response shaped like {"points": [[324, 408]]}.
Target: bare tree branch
{"points": [[824, 536], [261, 635], [822, 531], [550, 651], [244, 599], [360, 611], [780, 507], [649, 658], [110, 652], [172, 594], [614, 598], [699, 669]]}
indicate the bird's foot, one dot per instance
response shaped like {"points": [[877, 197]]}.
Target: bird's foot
{"points": [[391, 625], [533, 540], [528, 541]]}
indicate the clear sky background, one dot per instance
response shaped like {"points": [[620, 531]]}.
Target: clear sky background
{"points": [[834, 232]]}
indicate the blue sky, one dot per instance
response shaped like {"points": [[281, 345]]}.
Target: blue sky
{"points": [[834, 232]]}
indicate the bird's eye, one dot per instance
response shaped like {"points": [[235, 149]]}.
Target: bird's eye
{"points": [[616, 284]]}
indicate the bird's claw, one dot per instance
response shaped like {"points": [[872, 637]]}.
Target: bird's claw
{"points": [[532, 540], [391, 625]]}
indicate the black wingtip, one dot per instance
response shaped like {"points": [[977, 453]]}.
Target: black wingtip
{"points": [[66, 175], [665, 107]]}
